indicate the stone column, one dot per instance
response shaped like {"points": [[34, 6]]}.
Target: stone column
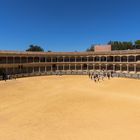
{"points": [[69, 66], [135, 68], [135, 58], [93, 66], [121, 67], [127, 68], [106, 67], [81, 66], [99, 67], [113, 67]]}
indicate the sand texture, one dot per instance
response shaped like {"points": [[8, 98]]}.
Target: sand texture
{"points": [[69, 108]]}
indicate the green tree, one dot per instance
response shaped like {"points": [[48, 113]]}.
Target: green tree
{"points": [[91, 48], [137, 44], [35, 48]]}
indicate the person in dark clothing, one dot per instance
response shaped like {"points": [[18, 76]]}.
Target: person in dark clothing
{"points": [[108, 75]]}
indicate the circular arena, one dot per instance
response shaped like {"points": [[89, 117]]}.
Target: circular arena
{"points": [[69, 107]]}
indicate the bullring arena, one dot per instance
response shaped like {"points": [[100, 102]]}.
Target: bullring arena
{"points": [[45, 105]]}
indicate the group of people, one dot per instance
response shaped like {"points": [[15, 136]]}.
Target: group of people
{"points": [[100, 75], [5, 76]]}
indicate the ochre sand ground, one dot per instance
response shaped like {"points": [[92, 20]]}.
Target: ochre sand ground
{"points": [[69, 108]]}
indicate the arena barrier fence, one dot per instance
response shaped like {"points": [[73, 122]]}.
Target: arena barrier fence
{"points": [[115, 74]]}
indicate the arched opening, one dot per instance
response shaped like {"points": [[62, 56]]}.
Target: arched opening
{"points": [[124, 59], [54, 67], [66, 67], [42, 59], [78, 59], [60, 67], [30, 69], [97, 67], [42, 69], [84, 59], [138, 58], [90, 67], [48, 59], [131, 68], [103, 59], [138, 68], [117, 58], [48, 68], [10, 60], [131, 58], [90, 59], [2, 60], [124, 67], [84, 66], [17, 59], [117, 67], [72, 59], [30, 59], [36, 59], [24, 59], [109, 58], [60, 59], [54, 59], [66, 59], [109, 67], [96, 58], [103, 67], [78, 67], [72, 67]]}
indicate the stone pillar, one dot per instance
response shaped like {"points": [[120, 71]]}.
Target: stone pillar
{"points": [[33, 70], [81, 66], [57, 67], [99, 67], [93, 66], [63, 67], [106, 67], [93, 59], [99, 58], [127, 68], [135, 58], [87, 58], [113, 58], [75, 67], [113, 67], [69, 66], [121, 67], [63, 58], [45, 69], [135, 68], [87, 67]]}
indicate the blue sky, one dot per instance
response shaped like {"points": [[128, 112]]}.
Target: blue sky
{"points": [[67, 25]]}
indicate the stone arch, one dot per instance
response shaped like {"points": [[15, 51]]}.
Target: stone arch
{"points": [[123, 58], [110, 67], [131, 67], [138, 68], [124, 67], [138, 58], [103, 58], [96, 58], [103, 67], [117, 67], [131, 58], [117, 58], [109, 58], [97, 67]]}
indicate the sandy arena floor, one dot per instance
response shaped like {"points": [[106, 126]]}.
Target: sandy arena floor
{"points": [[69, 108]]}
